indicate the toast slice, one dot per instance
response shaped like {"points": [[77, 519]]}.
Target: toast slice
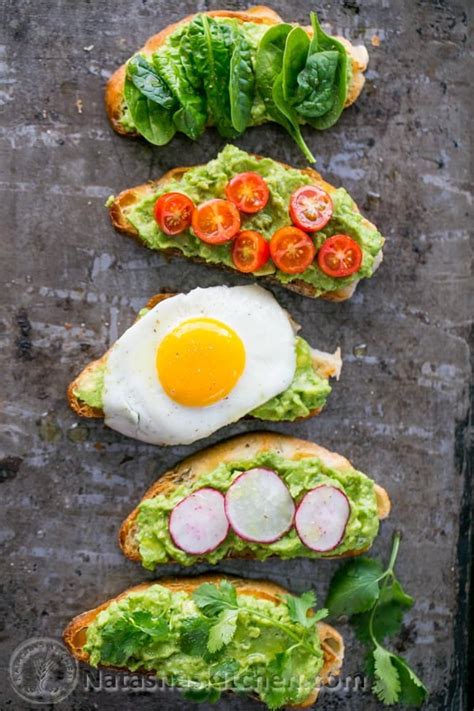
{"points": [[332, 643], [120, 206], [259, 14], [326, 364], [242, 447]]}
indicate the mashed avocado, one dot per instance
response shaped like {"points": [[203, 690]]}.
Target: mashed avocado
{"points": [[165, 631], [208, 181], [308, 391], [156, 546]]}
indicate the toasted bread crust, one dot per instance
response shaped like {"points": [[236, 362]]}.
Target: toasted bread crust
{"points": [[332, 642], [84, 410], [259, 14], [127, 198], [246, 446]]}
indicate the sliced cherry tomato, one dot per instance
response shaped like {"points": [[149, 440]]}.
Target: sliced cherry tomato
{"points": [[310, 208], [292, 250], [248, 191], [173, 212], [250, 251], [216, 221], [340, 256]]}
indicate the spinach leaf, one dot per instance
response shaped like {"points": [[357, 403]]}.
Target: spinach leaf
{"points": [[322, 85], [152, 121], [209, 46], [191, 116], [294, 60], [144, 77], [241, 83], [269, 76]]}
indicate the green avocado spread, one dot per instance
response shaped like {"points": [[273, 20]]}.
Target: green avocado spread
{"points": [[208, 181], [156, 546], [308, 391], [254, 645]]}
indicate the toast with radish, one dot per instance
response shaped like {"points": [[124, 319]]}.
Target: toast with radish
{"points": [[291, 227], [172, 629], [257, 495], [156, 381], [233, 70]]}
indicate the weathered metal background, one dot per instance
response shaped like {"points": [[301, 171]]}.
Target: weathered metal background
{"points": [[71, 285]]}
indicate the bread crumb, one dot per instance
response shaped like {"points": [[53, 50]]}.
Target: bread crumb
{"points": [[79, 106], [375, 41]]}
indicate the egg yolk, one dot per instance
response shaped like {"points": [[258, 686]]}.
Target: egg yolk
{"points": [[200, 361]]}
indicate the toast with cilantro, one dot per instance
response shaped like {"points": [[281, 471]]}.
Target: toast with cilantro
{"points": [[233, 70], [285, 225], [147, 535], [212, 634]]}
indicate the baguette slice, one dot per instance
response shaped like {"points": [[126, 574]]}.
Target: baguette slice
{"points": [[259, 14], [327, 364], [246, 446], [127, 199], [332, 643]]}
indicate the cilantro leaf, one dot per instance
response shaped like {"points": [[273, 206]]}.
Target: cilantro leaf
{"points": [[223, 630], [128, 634], [194, 635], [387, 617], [283, 674], [355, 587], [413, 692], [298, 608], [213, 599], [202, 695], [387, 680], [224, 674], [144, 621]]}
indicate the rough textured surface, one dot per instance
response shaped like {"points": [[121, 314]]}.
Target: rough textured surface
{"points": [[71, 286]]}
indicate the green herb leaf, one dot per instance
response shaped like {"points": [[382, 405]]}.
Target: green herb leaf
{"points": [[387, 681], [355, 587], [413, 692], [151, 120], [224, 674], [213, 599], [145, 78], [298, 608], [144, 621], [387, 617], [223, 630], [194, 635], [316, 92], [128, 634]]}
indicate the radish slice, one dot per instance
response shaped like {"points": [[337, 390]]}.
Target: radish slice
{"points": [[321, 518], [259, 506], [198, 524]]}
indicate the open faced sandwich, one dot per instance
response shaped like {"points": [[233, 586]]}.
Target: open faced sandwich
{"points": [[254, 496], [232, 70], [211, 634], [259, 217], [193, 363]]}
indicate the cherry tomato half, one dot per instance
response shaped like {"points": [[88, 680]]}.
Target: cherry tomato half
{"points": [[340, 256], [248, 191], [216, 221], [310, 208], [250, 251], [173, 212], [292, 250]]}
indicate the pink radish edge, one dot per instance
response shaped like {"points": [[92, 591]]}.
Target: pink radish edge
{"points": [[343, 532], [179, 504]]}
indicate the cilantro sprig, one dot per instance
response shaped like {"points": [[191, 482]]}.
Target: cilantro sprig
{"points": [[127, 635], [375, 601]]}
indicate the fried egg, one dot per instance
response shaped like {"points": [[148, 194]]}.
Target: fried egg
{"points": [[196, 362]]}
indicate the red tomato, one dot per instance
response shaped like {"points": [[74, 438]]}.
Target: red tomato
{"points": [[340, 256], [173, 212], [216, 221], [250, 251], [292, 250], [248, 191], [310, 208]]}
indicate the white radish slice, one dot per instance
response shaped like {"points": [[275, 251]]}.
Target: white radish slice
{"points": [[259, 506], [321, 518], [198, 524]]}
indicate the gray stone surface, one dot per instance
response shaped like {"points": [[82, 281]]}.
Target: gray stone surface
{"points": [[70, 286]]}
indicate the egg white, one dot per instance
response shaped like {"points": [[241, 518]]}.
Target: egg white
{"points": [[135, 402]]}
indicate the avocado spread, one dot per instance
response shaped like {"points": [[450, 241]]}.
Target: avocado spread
{"points": [[308, 391], [208, 181], [156, 545], [256, 645]]}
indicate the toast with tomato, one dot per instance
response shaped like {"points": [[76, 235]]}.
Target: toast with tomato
{"points": [[255, 216], [233, 70], [251, 497], [169, 629]]}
